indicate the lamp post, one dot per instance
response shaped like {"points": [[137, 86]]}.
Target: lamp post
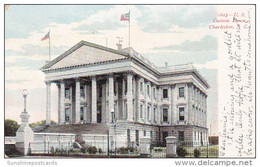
{"points": [[112, 115], [25, 93]]}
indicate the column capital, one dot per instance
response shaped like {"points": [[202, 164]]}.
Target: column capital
{"points": [[62, 81], [110, 74], [93, 77], [77, 79], [128, 72], [48, 83]]}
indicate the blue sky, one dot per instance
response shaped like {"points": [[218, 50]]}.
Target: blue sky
{"points": [[174, 34]]}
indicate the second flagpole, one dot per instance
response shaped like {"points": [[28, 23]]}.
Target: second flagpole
{"points": [[49, 45], [129, 31]]}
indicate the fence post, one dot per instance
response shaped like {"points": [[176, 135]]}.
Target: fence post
{"points": [[171, 146], [145, 143], [207, 149], [108, 142]]}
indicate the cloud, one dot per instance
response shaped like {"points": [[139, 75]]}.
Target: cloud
{"points": [[207, 43], [21, 78], [161, 18], [208, 65], [34, 50]]}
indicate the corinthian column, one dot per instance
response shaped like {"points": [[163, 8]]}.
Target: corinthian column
{"points": [[62, 101], [77, 101], [130, 96], [111, 95], [94, 100], [48, 103]]}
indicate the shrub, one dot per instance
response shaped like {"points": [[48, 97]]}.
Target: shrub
{"points": [[83, 150], [181, 151], [131, 149], [196, 153], [100, 151], [52, 150], [92, 150], [122, 150]]}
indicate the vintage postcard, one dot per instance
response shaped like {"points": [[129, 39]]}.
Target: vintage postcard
{"points": [[129, 81]]}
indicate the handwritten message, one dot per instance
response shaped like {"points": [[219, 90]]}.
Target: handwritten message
{"points": [[237, 92]]}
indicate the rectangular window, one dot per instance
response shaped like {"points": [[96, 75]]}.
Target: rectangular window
{"points": [[181, 92], [115, 90], [148, 113], [154, 93], [164, 135], [142, 87], [128, 137], [125, 86], [67, 93], [181, 114], [137, 137], [67, 114], [144, 132], [100, 91], [141, 111], [165, 93], [165, 115], [82, 93], [148, 90], [81, 113], [181, 135], [155, 115], [151, 135]]}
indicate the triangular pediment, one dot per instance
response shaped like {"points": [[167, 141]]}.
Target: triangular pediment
{"points": [[85, 53]]}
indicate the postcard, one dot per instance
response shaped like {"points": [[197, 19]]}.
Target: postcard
{"points": [[130, 81]]}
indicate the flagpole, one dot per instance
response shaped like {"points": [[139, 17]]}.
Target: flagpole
{"points": [[129, 30], [49, 45]]}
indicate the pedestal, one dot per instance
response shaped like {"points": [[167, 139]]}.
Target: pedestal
{"points": [[171, 146], [145, 143], [24, 135]]}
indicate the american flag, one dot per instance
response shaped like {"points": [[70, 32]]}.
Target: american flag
{"points": [[125, 17], [47, 36]]}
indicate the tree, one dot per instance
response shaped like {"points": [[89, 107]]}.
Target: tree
{"points": [[11, 126], [42, 122]]}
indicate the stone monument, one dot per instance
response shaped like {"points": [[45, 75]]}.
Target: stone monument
{"points": [[171, 146], [24, 134]]}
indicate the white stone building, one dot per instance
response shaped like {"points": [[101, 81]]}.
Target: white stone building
{"points": [[95, 81]]}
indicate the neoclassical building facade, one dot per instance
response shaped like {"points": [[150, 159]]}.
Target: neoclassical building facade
{"points": [[100, 85]]}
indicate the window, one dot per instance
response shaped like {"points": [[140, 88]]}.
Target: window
{"points": [[181, 135], [148, 90], [181, 92], [115, 88], [128, 137], [165, 115], [125, 86], [154, 113], [144, 132], [137, 137], [165, 93], [142, 87], [154, 93], [148, 113], [181, 114], [81, 113], [151, 135], [100, 91], [67, 114], [82, 93], [141, 111], [67, 93]]}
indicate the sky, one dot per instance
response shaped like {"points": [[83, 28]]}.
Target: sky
{"points": [[177, 34]]}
